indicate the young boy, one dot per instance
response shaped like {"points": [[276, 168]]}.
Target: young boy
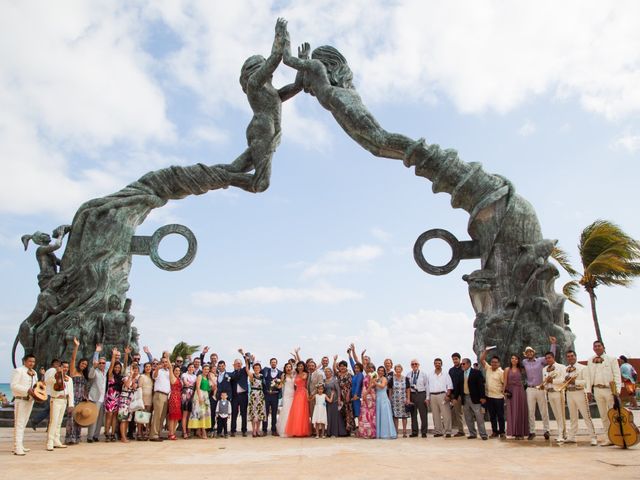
{"points": [[223, 411]]}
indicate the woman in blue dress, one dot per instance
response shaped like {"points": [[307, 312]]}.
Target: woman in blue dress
{"points": [[384, 414], [356, 385]]}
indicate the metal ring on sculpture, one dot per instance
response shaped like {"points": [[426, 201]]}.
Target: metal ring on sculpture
{"points": [[188, 257], [451, 240]]}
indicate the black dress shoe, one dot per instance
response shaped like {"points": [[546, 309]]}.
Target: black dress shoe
{"points": [[546, 435], [484, 437], [531, 436], [438, 435], [459, 434], [89, 440], [244, 434], [471, 437], [448, 435], [233, 434], [413, 435], [275, 434], [424, 435]]}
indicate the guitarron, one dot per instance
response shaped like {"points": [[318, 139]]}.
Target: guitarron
{"points": [[622, 431]]}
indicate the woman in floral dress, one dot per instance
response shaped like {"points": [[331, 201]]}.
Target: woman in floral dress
{"points": [[400, 389], [346, 409], [129, 387], [80, 377], [188, 379], [112, 397], [174, 410], [367, 419], [257, 408], [200, 417]]}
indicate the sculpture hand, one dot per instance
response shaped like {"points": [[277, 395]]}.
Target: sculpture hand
{"points": [[304, 50], [281, 26]]}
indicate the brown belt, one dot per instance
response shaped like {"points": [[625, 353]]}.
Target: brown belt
{"points": [[574, 389], [23, 398], [602, 386]]}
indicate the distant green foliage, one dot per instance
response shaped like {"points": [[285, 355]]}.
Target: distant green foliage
{"points": [[182, 349]]}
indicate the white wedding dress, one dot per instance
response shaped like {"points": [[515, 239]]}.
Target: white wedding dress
{"points": [[287, 399]]}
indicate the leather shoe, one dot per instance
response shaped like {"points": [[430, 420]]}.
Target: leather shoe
{"points": [[484, 437], [424, 435], [546, 435], [459, 434], [233, 434], [448, 435], [471, 437], [437, 435], [413, 435], [275, 434], [244, 434], [531, 436]]}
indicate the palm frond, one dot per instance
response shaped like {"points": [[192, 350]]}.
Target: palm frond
{"points": [[182, 349], [570, 290], [562, 257]]}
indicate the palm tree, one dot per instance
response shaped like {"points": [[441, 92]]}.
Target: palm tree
{"points": [[609, 257], [182, 349]]}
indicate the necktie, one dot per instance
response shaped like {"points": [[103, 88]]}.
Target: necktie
{"points": [[415, 378]]}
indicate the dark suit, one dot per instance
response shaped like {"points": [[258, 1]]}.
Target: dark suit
{"points": [[471, 402], [271, 397], [240, 400]]}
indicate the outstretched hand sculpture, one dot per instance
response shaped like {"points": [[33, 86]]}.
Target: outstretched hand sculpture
{"points": [[512, 293]]}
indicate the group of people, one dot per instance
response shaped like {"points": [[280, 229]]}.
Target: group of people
{"points": [[138, 401]]}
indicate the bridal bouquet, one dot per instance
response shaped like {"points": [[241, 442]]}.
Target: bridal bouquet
{"points": [[275, 384]]}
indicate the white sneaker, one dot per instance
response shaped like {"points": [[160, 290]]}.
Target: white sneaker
{"points": [[559, 440], [20, 453], [25, 449], [570, 440], [594, 442]]}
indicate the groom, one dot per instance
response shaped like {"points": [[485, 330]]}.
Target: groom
{"points": [[271, 395]]}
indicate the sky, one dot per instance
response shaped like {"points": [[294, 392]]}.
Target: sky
{"points": [[95, 94]]}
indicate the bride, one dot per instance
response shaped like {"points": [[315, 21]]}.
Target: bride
{"points": [[287, 399]]}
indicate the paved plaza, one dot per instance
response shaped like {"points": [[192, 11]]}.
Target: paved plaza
{"points": [[311, 458]]}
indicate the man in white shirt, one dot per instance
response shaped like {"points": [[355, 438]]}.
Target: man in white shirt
{"points": [[439, 399], [603, 370], [97, 387], [552, 379], [579, 385], [61, 400], [23, 380], [419, 385], [161, 391]]}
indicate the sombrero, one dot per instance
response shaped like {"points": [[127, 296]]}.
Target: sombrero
{"points": [[529, 348], [85, 413]]}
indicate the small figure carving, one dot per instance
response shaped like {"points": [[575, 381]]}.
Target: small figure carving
{"points": [[264, 131], [116, 323], [47, 259]]}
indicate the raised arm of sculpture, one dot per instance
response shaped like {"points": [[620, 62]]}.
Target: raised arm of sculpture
{"points": [[327, 76]]}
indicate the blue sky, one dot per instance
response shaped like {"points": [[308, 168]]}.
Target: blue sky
{"points": [[93, 95]]}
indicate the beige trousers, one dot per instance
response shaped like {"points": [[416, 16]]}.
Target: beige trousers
{"points": [[21, 413], [579, 405], [557, 406], [456, 416], [160, 404], [441, 412], [537, 397], [56, 414], [604, 400]]}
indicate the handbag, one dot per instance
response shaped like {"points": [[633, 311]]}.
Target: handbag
{"points": [[136, 402], [142, 417]]}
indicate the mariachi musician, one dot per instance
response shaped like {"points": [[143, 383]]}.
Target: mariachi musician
{"points": [[60, 390], [552, 380], [23, 382], [603, 370], [577, 386]]}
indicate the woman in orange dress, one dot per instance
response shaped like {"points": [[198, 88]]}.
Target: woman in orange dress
{"points": [[298, 422]]}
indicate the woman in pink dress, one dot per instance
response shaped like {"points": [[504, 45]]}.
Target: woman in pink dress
{"points": [[367, 419], [298, 422], [514, 392]]}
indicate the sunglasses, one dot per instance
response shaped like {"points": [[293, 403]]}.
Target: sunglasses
{"points": [[179, 361], [102, 363]]}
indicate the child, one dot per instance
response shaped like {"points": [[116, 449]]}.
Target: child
{"points": [[319, 418], [223, 411]]}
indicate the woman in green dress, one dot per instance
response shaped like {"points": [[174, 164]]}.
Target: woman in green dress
{"points": [[200, 417]]}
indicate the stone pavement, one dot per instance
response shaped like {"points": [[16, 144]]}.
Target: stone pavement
{"points": [[288, 458]]}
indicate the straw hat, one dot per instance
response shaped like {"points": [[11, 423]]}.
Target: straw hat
{"points": [[529, 348], [85, 413]]}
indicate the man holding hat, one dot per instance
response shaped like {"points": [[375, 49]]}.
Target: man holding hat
{"points": [[533, 366]]}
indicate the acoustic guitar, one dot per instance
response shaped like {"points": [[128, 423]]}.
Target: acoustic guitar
{"points": [[622, 431], [40, 392]]}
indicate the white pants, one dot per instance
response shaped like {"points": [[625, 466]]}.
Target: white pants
{"points": [[56, 414], [604, 400], [579, 405], [21, 413], [441, 412], [557, 406], [536, 396], [94, 430]]}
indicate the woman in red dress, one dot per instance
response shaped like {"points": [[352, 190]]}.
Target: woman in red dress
{"points": [[175, 402], [298, 424]]}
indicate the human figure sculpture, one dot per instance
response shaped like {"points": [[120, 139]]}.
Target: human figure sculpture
{"points": [[47, 259], [264, 131], [115, 324], [328, 77]]}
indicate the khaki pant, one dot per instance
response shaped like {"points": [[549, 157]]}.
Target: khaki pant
{"points": [[56, 414], [456, 416], [579, 405], [21, 413], [160, 404], [604, 400], [556, 401], [441, 411], [537, 397]]}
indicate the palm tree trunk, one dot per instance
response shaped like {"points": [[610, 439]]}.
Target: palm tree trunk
{"points": [[594, 313]]}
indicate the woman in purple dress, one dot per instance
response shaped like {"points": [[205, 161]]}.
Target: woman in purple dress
{"points": [[517, 412]]}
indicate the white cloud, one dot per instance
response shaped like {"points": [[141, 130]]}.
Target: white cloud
{"points": [[628, 142], [528, 128], [321, 293], [381, 234], [342, 261]]}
